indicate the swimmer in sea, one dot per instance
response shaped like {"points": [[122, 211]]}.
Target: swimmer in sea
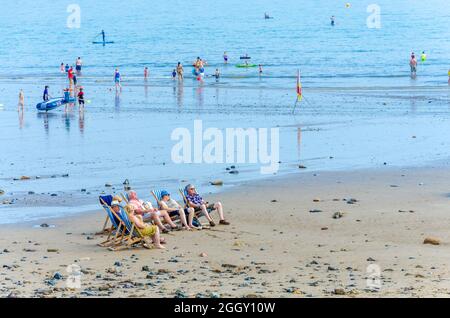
{"points": [[61, 68], [46, 95], [260, 69], [423, 56], [217, 74], [21, 100], [174, 74], [66, 68], [145, 72], [332, 20], [225, 57], [180, 71]]}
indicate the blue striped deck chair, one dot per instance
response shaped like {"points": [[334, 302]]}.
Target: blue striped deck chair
{"points": [[133, 234], [118, 227], [125, 197]]}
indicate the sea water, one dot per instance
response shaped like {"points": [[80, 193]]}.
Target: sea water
{"points": [[360, 109]]}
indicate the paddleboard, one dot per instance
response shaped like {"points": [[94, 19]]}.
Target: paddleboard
{"points": [[53, 103], [246, 65], [101, 42]]}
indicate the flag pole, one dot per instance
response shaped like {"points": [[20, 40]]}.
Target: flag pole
{"points": [[296, 99]]}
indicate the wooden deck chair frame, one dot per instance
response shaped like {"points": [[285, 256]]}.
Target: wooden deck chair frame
{"points": [[117, 230], [134, 235]]}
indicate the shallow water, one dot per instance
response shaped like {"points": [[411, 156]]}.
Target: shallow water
{"points": [[360, 109]]}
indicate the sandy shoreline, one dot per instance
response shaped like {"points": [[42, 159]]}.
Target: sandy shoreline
{"points": [[272, 249]]}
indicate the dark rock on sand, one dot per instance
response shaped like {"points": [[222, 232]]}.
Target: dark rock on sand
{"points": [[57, 276], [432, 241]]}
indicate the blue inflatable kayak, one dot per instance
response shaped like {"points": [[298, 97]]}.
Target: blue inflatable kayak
{"points": [[53, 103]]}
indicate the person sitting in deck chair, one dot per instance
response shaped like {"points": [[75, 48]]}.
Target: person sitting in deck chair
{"points": [[149, 232], [173, 208], [149, 212], [197, 202]]}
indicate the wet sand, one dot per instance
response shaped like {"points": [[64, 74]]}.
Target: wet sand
{"points": [[279, 243]]}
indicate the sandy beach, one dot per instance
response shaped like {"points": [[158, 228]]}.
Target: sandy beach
{"points": [[283, 242]]}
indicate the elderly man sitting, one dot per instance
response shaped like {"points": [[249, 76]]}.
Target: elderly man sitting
{"points": [[197, 202], [174, 208], [149, 212]]}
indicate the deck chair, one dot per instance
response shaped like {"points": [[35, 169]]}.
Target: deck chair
{"points": [[125, 197], [118, 228], [157, 195], [133, 234], [107, 199]]}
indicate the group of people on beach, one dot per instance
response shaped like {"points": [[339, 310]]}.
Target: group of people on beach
{"points": [[149, 220]]}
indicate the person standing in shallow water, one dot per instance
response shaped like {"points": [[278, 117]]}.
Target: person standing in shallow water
{"points": [[180, 71], [21, 103], [145, 72], [413, 65], [117, 79]]}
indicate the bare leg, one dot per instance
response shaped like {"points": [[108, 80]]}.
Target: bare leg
{"points": [[167, 218], [158, 222], [219, 208], [191, 216], [183, 219], [205, 212], [157, 240]]}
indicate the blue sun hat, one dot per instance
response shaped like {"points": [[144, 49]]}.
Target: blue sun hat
{"points": [[164, 193]]}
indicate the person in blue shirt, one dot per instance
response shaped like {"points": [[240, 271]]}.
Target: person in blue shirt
{"points": [[45, 95], [117, 79]]}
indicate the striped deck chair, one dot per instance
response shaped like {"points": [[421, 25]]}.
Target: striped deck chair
{"points": [[125, 197], [118, 229], [133, 234], [107, 199]]}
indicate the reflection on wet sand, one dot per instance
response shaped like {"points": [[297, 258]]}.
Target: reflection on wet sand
{"points": [[81, 121], [146, 88], [21, 118], [180, 94], [200, 96], [117, 101], [299, 141], [46, 119]]}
